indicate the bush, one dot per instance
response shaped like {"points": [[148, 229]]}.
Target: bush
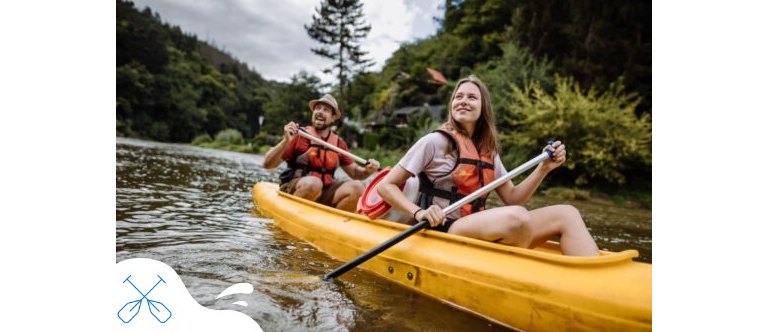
{"points": [[263, 149], [159, 131], [385, 157], [229, 136], [605, 139], [370, 140], [517, 66], [200, 139], [260, 139]]}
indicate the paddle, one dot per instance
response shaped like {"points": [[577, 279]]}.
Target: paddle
{"points": [[304, 133], [424, 223], [128, 315]]}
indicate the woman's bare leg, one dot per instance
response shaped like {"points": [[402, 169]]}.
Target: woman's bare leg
{"points": [[516, 226], [509, 225], [565, 221]]}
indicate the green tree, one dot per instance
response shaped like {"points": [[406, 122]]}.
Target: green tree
{"points": [[136, 86], [360, 93], [594, 41], [340, 27], [172, 87], [139, 38], [290, 103], [480, 24], [517, 67]]}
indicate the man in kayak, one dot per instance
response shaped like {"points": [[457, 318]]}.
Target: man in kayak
{"points": [[311, 166], [460, 158]]}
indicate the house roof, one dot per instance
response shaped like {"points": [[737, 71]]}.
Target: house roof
{"points": [[436, 111], [437, 77]]}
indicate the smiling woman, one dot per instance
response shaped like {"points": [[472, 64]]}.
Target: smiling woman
{"points": [[466, 107], [461, 157]]}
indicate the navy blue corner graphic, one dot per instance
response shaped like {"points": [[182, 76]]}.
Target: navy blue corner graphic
{"points": [[131, 309]]}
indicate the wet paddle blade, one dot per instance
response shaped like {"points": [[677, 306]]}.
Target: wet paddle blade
{"points": [[129, 311]]}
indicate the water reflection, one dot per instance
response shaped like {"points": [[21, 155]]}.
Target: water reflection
{"points": [[191, 209]]}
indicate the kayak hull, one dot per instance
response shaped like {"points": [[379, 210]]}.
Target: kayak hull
{"points": [[532, 290]]}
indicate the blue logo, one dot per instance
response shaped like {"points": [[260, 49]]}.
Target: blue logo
{"points": [[131, 309]]}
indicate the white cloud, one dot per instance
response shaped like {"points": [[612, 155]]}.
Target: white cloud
{"points": [[390, 25], [269, 35]]}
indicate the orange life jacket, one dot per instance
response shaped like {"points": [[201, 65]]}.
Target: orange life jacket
{"points": [[318, 160], [472, 171]]}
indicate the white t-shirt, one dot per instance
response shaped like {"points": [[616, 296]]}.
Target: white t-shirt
{"points": [[433, 155]]}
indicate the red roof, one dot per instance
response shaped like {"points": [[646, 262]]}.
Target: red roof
{"points": [[437, 76]]}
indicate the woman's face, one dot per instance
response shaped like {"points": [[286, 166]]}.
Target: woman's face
{"points": [[467, 104]]}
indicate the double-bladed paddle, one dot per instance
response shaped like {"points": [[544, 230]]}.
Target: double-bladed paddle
{"points": [[450, 208]]}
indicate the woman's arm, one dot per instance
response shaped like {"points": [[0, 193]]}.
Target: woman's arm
{"points": [[520, 194], [390, 191]]}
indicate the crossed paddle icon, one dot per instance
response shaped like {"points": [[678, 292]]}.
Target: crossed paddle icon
{"points": [[129, 311]]}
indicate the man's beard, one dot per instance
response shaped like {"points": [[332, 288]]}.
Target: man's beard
{"points": [[325, 125]]}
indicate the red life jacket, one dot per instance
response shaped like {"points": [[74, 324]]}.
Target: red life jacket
{"points": [[318, 160], [472, 171]]}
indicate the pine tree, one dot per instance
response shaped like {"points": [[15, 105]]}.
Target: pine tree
{"points": [[340, 27]]}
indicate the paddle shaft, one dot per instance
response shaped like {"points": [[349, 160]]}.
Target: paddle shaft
{"points": [[309, 136], [424, 223]]}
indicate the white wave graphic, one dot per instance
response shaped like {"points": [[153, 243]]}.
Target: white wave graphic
{"points": [[150, 296]]}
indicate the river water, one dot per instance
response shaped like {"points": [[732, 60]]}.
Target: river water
{"points": [[191, 208]]}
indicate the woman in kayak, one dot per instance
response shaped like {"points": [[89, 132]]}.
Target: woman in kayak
{"points": [[469, 137]]}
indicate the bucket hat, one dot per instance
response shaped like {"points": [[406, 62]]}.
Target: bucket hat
{"points": [[329, 100]]}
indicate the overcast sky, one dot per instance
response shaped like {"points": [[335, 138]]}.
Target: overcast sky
{"points": [[269, 35]]}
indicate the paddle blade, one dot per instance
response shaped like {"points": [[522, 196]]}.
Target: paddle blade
{"points": [[129, 311], [159, 310]]}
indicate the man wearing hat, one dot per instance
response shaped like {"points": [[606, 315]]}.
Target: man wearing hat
{"points": [[311, 166]]}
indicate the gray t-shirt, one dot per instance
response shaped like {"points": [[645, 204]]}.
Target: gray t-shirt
{"points": [[433, 155]]}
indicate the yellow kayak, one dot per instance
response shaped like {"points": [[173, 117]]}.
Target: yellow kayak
{"points": [[532, 290]]}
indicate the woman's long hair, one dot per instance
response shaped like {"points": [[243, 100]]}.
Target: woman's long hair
{"points": [[485, 135]]}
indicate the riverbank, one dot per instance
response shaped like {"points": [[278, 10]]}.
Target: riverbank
{"points": [[624, 196]]}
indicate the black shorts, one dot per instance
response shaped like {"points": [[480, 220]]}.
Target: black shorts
{"points": [[444, 227]]}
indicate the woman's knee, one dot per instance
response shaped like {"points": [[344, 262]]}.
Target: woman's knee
{"points": [[569, 210], [518, 214], [569, 214], [517, 221]]}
